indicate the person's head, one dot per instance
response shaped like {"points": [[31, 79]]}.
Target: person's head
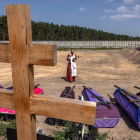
{"points": [[72, 50]]}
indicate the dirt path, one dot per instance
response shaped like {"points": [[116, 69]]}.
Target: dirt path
{"points": [[97, 69]]}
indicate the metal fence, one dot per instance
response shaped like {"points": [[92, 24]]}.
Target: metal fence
{"points": [[89, 44]]}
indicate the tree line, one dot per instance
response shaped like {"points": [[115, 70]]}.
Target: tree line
{"points": [[49, 31]]}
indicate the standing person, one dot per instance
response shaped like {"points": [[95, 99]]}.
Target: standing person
{"points": [[71, 69]]}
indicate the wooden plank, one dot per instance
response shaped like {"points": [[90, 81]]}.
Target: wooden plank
{"points": [[39, 54], [63, 108], [55, 54], [6, 99], [31, 79], [33, 116], [17, 36], [30, 68], [42, 54], [4, 54], [28, 24]]}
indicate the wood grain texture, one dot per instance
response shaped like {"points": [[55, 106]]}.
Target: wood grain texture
{"points": [[16, 18], [39, 54], [31, 91], [28, 24], [6, 99], [55, 54], [42, 54], [63, 108], [30, 68], [4, 53]]}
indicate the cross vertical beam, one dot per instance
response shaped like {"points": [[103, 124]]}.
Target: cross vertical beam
{"points": [[19, 29], [30, 68]]}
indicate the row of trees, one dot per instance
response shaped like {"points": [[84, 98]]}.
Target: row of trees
{"points": [[3, 28], [46, 31]]}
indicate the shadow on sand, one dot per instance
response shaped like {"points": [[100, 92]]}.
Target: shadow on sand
{"points": [[64, 78]]}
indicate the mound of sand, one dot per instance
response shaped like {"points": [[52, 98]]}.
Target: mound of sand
{"points": [[127, 52], [132, 55], [136, 59]]}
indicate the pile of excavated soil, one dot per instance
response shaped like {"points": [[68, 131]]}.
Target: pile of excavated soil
{"points": [[131, 55], [126, 52]]}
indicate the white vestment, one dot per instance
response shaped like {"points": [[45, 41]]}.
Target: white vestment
{"points": [[73, 66]]}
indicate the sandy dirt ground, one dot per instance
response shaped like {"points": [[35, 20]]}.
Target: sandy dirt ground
{"points": [[99, 69]]}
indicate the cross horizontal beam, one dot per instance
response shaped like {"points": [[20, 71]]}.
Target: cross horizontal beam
{"points": [[4, 53], [55, 107], [6, 99], [38, 54], [63, 108]]}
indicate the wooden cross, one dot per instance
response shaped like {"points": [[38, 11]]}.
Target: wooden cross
{"points": [[23, 55]]}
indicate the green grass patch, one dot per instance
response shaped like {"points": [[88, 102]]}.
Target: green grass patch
{"points": [[69, 132], [65, 133], [6, 124], [103, 48]]}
